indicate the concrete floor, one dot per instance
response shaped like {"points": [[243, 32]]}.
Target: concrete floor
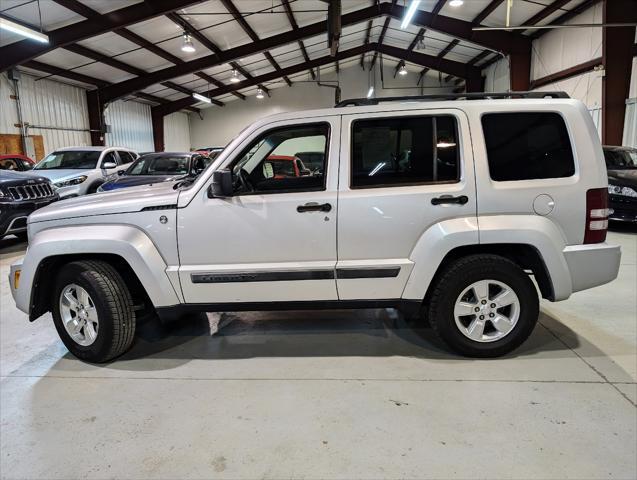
{"points": [[326, 395]]}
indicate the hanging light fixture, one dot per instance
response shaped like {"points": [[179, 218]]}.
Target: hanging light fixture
{"points": [[260, 95], [187, 45], [421, 44], [456, 3], [402, 70], [8, 25], [235, 76], [201, 98]]}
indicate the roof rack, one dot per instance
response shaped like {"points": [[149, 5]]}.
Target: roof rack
{"points": [[356, 102]]}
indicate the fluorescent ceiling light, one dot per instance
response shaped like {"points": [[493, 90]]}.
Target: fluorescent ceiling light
{"points": [[445, 144], [10, 26], [370, 92], [235, 77], [260, 94], [456, 3], [410, 13], [402, 70], [202, 98], [187, 46]]}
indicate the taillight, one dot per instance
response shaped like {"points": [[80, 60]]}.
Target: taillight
{"points": [[596, 215]]}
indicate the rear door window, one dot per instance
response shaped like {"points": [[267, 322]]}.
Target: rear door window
{"points": [[404, 151], [527, 146]]}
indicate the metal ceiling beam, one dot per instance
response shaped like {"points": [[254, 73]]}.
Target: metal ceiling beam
{"points": [[367, 35], [315, 63], [252, 34], [63, 72], [422, 74], [205, 41], [71, 75], [504, 41], [295, 26], [438, 7], [233, 54], [498, 40], [479, 57], [19, 52], [582, 7], [448, 48], [446, 66], [380, 42], [545, 12], [486, 11], [420, 35]]}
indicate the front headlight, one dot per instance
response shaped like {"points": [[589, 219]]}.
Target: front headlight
{"points": [[623, 191], [72, 181]]}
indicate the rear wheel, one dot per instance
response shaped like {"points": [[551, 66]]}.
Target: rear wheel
{"points": [[93, 311], [483, 306]]}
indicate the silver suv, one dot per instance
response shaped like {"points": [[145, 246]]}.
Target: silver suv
{"points": [[449, 207], [77, 171]]}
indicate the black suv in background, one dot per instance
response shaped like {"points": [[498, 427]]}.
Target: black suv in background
{"points": [[21, 194], [621, 165]]}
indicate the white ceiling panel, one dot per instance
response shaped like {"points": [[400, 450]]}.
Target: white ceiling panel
{"points": [[109, 44], [105, 6], [156, 29], [38, 74], [104, 72], [142, 58], [63, 59]]}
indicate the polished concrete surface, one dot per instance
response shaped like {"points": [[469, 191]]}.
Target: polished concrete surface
{"points": [[326, 394]]}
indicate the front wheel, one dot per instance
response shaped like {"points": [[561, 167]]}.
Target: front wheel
{"points": [[93, 311], [483, 306]]}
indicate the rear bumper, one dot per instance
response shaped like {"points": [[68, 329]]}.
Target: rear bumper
{"points": [[592, 265]]}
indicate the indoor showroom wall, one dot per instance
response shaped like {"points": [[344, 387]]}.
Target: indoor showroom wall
{"points": [[46, 103], [177, 132], [130, 126], [563, 48], [220, 124]]}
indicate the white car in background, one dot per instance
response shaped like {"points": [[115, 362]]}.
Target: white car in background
{"points": [[76, 171]]}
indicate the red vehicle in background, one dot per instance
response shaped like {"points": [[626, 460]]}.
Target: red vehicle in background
{"points": [[286, 166], [16, 162]]}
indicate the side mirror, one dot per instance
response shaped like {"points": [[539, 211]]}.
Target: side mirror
{"points": [[121, 172], [108, 165], [221, 185]]}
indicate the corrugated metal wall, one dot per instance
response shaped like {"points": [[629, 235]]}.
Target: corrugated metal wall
{"points": [[177, 132], [46, 103], [131, 126]]}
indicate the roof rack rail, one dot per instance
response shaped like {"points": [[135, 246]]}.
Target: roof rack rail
{"points": [[356, 102]]}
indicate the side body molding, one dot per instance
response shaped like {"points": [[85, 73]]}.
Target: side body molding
{"points": [[430, 249], [125, 241]]}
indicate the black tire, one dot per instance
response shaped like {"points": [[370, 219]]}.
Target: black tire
{"points": [[458, 276], [93, 188], [22, 236], [113, 303]]}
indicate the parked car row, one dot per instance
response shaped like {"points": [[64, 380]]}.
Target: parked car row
{"points": [[72, 172]]}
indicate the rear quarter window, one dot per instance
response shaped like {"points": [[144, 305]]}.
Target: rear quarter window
{"points": [[527, 146]]}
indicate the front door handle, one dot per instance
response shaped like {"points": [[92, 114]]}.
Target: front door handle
{"points": [[314, 207], [448, 199]]}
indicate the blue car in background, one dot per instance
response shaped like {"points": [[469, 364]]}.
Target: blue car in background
{"points": [[158, 167]]}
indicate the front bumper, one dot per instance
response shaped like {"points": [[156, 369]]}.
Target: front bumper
{"points": [[16, 266], [70, 191], [13, 215], [592, 265], [624, 209]]}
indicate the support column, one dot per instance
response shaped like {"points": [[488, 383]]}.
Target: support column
{"points": [[474, 83], [520, 70], [95, 117], [158, 129], [617, 46]]}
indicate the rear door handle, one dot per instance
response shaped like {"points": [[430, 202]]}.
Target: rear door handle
{"points": [[314, 207], [448, 199]]}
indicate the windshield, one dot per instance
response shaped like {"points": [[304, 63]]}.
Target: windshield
{"points": [[71, 159], [621, 159], [160, 165]]}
